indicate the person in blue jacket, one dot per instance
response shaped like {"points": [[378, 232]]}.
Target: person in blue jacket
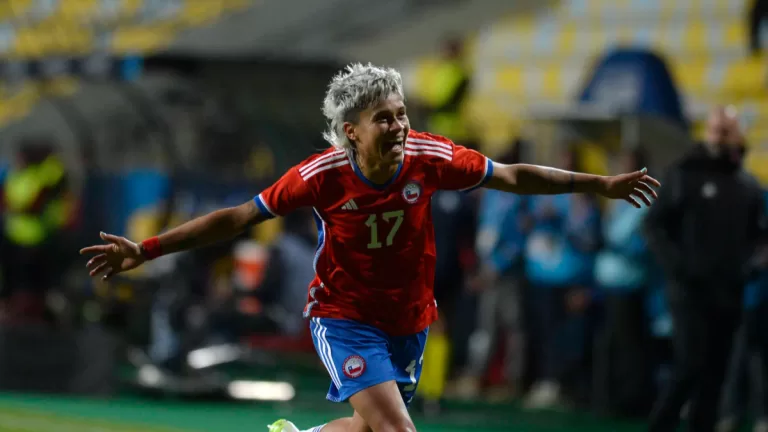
{"points": [[622, 273], [501, 231], [559, 258]]}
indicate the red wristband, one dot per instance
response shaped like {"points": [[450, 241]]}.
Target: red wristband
{"points": [[151, 249]]}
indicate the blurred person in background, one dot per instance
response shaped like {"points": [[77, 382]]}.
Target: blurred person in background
{"points": [[747, 380], [255, 288], [500, 244], [292, 257], [454, 217], [704, 231], [446, 92], [270, 281], [36, 209], [622, 272], [559, 257]]}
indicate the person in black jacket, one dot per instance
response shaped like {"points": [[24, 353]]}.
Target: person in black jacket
{"points": [[704, 230]]}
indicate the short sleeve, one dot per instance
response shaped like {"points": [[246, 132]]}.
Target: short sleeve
{"points": [[466, 171], [287, 194]]}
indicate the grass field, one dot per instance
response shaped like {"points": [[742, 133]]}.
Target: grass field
{"points": [[65, 414]]}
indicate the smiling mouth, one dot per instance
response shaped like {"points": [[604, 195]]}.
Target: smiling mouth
{"points": [[396, 146]]}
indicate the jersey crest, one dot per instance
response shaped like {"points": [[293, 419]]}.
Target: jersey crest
{"points": [[412, 192]]}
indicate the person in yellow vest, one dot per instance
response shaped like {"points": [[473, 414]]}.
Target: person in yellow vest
{"points": [[446, 91], [36, 207]]}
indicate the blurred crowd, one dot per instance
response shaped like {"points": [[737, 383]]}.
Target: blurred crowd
{"points": [[574, 302]]}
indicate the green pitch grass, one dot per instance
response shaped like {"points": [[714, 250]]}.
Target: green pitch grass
{"points": [[67, 414]]}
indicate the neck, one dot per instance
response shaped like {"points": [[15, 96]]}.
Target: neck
{"points": [[374, 169]]}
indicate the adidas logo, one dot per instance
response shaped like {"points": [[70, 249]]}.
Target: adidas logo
{"points": [[350, 205]]}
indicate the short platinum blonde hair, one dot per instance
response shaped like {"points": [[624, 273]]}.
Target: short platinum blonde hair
{"points": [[353, 90]]}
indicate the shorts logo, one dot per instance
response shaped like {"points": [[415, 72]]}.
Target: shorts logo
{"points": [[412, 192], [353, 366]]}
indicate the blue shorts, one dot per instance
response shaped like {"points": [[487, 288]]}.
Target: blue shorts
{"points": [[359, 356]]}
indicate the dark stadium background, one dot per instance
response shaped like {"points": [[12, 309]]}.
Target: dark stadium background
{"points": [[161, 110]]}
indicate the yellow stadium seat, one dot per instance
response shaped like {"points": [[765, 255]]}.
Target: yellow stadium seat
{"points": [[695, 37], [63, 38], [690, 77], [552, 82], [566, 40], [199, 12], [511, 80], [142, 39], [29, 43], [77, 9], [10, 9], [748, 77], [129, 8], [735, 34]]}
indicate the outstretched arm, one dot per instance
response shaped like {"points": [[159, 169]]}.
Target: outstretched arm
{"points": [[220, 225], [527, 179], [121, 254]]}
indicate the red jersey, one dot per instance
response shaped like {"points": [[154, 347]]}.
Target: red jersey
{"points": [[375, 261]]}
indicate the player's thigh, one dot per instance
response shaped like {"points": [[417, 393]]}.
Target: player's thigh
{"points": [[382, 409]]}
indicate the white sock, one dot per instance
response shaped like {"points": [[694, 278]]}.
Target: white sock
{"points": [[315, 429]]}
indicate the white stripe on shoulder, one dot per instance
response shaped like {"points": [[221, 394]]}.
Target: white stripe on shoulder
{"points": [[426, 152], [339, 154], [322, 168], [431, 143], [410, 146]]}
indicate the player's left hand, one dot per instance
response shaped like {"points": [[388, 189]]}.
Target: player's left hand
{"points": [[116, 256], [633, 187]]}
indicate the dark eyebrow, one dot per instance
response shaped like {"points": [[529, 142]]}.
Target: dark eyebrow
{"points": [[379, 114]]}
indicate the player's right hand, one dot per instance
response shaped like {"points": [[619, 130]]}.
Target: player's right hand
{"points": [[117, 256]]}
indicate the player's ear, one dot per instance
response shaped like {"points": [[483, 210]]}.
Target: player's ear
{"points": [[350, 132]]}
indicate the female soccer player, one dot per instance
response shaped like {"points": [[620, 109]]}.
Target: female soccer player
{"points": [[371, 302]]}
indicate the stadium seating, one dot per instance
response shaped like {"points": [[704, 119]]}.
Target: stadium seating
{"points": [[72, 28], [543, 57]]}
